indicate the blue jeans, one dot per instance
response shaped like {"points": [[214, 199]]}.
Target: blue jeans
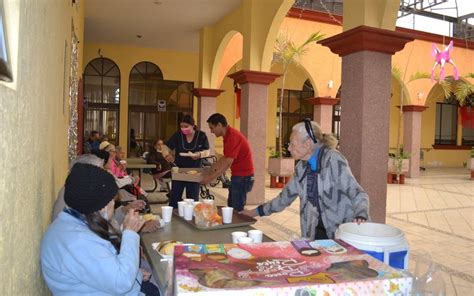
{"points": [[238, 189], [177, 189]]}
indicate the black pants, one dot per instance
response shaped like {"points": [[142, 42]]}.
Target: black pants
{"points": [[149, 289], [320, 231]]}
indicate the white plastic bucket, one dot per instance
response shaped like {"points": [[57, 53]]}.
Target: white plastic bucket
{"points": [[381, 241]]}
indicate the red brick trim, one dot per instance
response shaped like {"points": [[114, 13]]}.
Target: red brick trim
{"points": [[414, 108], [322, 17], [207, 92], [249, 76], [451, 147], [430, 37], [364, 38], [322, 101]]}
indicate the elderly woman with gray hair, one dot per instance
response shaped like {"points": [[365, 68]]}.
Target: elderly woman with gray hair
{"points": [[329, 194]]}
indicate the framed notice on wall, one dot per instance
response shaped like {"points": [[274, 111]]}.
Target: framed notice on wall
{"points": [[5, 69]]}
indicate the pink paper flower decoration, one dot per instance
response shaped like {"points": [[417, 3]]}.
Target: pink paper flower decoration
{"points": [[441, 58]]}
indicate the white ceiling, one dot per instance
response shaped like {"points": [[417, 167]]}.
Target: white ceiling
{"points": [[164, 24]]}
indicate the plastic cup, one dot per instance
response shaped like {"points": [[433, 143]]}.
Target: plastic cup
{"points": [[181, 208], [188, 212], [236, 235], [189, 201], [227, 215], [256, 235], [245, 240], [175, 170], [167, 213]]}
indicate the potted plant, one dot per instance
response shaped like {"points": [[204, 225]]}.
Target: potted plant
{"points": [[398, 165], [286, 53]]}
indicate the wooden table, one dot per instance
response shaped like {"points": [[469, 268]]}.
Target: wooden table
{"points": [[179, 230], [137, 165]]}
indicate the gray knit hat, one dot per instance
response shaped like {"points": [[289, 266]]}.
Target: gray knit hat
{"points": [[89, 188]]}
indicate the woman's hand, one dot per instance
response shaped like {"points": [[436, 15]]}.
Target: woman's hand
{"points": [[150, 226], [169, 158], [146, 275], [133, 221], [251, 213], [359, 220]]}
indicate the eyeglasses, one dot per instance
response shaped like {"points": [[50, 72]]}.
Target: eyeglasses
{"points": [[309, 130]]}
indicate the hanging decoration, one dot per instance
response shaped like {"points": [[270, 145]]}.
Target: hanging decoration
{"points": [[441, 58], [73, 91], [238, 93]]}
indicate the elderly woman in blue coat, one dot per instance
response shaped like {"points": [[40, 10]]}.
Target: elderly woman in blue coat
{"points": [[81, 252], [328, 192]]}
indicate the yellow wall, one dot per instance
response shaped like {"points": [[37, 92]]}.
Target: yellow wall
{"points": [[416, 56], [174, 66], [33, 138], [373, 13]]}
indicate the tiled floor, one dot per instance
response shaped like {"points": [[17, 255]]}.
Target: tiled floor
{"points": [[435, 211]]}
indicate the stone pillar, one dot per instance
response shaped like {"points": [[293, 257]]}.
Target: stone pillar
{"points": [[366, 74], [322, 112], [206, 107], [253, 123], [412, 136]]}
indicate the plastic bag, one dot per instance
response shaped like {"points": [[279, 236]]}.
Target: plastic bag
{"points": [[427, 280], [206, 215]]}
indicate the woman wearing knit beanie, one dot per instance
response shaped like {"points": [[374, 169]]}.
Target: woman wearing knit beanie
{"points": [[81, 252]]}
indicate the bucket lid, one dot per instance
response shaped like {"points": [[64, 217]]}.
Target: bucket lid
{"points": [[371, 233]]}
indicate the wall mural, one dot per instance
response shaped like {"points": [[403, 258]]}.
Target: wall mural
{"points": [[73, 86]]}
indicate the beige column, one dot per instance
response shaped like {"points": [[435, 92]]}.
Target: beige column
{"points": [[253, 121], [366, 74], [206, 107], [322, 112], [412, 136]]}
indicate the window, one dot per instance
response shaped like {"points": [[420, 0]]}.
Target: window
{"points": [[467, 136], [102, 98], [446, 124], [155, 106], [295, 109]]}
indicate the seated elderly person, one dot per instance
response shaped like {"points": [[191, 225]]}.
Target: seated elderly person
{"points": [[120, 211], [81, 252], [329, 194], [156, 155]]}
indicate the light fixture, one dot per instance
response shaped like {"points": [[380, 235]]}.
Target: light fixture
{"points": [[330, 84], [420, 95]]}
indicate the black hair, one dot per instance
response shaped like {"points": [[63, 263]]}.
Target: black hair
{"points": [[216, 118], [188, 119], [102, 154]]}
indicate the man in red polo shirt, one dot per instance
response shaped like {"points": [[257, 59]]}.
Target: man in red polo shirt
{"points": [[237, 156]]}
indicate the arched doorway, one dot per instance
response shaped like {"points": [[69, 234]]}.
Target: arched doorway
{"points": [[155, 106], [102, 98]]}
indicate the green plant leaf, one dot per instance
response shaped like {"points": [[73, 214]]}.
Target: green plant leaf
{"points": [[419, 75], [462, 91], [469, 75]]}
